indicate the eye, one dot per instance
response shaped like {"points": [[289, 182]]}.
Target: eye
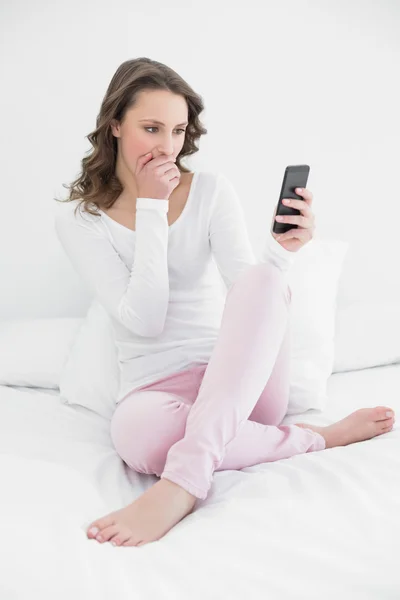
{"points": [[146, 128]]}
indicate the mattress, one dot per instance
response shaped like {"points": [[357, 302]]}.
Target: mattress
{"points": [[317, 525]]}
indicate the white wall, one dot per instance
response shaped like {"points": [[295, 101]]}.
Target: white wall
{"points": [[284, 82]]}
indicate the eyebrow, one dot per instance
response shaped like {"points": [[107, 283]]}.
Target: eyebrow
{"points": [[160, 122]]}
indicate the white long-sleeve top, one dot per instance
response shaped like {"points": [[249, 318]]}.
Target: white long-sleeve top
{"points": [[160, 283]]}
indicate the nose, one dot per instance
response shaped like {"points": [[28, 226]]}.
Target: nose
{"points": [[163, 152]]}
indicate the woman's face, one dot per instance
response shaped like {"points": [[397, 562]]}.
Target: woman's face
{"points": [[139, 134]]}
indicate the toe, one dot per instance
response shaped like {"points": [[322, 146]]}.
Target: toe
{"points": [[387, 424], [380, 413], [115, 540], [99, 525], [108, 532], [121, 538], [133, 542], [386, 429]]}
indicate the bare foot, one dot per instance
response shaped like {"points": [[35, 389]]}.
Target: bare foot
{"points": [[146, 519], [360, 425]]}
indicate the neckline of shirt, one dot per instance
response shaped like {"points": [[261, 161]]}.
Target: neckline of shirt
{"points": [[184, 211]]}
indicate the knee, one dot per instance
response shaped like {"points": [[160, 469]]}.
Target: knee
{"points": [[144, 427]]}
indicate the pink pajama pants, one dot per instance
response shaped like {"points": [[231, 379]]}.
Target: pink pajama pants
{"points": [[225, 414]]}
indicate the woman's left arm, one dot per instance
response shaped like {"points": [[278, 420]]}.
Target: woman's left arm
{"points": [[229, 239]]}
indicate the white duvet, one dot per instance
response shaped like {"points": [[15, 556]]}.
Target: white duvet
{"points": [[321, 525]]}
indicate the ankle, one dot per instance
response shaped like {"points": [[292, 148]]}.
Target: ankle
{"points": [[328, 437]]}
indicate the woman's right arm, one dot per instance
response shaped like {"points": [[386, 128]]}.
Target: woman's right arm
{"points": [[137, 298]]}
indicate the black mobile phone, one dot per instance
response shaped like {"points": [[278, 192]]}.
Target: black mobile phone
{"points": [[295, 176]]}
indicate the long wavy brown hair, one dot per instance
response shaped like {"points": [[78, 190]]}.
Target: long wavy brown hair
{"points": [[98, 184]]}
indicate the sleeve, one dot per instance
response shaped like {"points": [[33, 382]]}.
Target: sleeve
{"points": [[229, 238], [137, 298]]}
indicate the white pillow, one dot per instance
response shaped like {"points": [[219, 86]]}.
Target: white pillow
{"points": [[367, 335], [91, 376], [33, 351], [314, 279]]}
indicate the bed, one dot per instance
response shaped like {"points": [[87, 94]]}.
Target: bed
{"points": [[318, 525]]}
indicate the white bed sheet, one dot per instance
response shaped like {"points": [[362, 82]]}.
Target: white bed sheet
{"points": [[318, 525]]}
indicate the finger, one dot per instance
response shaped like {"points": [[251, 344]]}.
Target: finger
{"points": [[166, 158], [306, 194], [295, 220], [303, 235], [299, 204], [143, 160]]}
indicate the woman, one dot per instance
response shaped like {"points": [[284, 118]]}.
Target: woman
{"points": [[204, 385]]}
